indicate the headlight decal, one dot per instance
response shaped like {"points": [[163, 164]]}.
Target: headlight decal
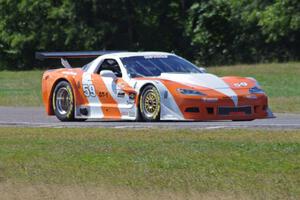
{"points": [[190, 92]]}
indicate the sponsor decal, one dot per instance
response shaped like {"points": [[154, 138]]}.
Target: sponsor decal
{"points": [[210, 100], [130, 102], [121, 94], [69, 73], [250, 96], [103, 94], [155, 56], [241, 84]]}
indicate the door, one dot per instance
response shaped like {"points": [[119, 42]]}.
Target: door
{"points": [[113, 96]]}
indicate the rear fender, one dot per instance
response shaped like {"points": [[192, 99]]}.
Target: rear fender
{"points": [[49, 82]]}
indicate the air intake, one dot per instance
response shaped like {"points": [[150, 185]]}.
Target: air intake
{"points": [[192, 110]]}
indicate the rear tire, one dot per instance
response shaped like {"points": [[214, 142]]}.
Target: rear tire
{"points": [[63, 101], [149, 104]]}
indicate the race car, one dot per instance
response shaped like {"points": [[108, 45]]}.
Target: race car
{"points": [[146, 86]]}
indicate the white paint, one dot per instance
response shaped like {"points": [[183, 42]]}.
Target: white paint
{"points": [[122, 102]]}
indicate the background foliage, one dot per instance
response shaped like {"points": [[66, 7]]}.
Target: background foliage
{"points": [[210, 32]]}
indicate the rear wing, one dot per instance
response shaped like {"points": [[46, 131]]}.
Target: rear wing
{"points": [[71, 54]]}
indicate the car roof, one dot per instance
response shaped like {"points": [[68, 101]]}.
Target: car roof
{"points": [[142, 53], [91, 67]]}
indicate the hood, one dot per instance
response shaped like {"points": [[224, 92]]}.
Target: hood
{"points": [[209, 81]]}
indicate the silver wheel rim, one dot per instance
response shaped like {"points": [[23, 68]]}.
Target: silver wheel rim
{"points": [[63, 101]]}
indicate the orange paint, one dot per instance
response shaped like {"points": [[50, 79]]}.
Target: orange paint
{"points": [[50, 78]]}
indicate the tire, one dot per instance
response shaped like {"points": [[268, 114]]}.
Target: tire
{"points": [[63, 101], [149, 105]]}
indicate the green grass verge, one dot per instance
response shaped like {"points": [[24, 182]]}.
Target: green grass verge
{"points": [[20, 88], [280, 81], [259, 164]]}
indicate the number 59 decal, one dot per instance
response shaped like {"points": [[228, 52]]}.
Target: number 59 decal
{"points": [[89, 90]]}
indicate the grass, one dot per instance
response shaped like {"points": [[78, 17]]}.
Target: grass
{"points": [[249, 164], [20, 88], [280, 81]]}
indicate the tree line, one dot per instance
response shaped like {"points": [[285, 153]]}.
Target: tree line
{"points": [[209, 32]]}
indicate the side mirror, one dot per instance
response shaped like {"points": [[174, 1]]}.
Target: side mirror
{"points": [[202, 69], [108, 74]]}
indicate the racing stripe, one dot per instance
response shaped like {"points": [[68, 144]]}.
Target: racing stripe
{"points": [[169, 107], [105, 92], [80, 98], [209, 81], [94, 103]]}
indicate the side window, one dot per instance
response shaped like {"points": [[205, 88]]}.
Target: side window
{"points": [[112, 65]]}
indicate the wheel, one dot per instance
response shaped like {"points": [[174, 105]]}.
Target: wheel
{"points": [[150, 104], [63, 101]]}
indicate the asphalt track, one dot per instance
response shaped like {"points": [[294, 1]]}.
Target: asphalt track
{"points": [[36, 117]]}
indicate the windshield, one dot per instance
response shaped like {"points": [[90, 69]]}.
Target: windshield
{"points": [[155, 65]]}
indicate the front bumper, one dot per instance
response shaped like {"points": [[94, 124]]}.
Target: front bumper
{"points": [[224, 109]]}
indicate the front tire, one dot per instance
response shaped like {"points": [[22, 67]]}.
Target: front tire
{"points": [[149, 104], [63, 101]]}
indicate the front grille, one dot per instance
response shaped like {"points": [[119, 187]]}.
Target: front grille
{"points": [[229, 110]]}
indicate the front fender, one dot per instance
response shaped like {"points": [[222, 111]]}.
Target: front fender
{"points": [[169, 108]]}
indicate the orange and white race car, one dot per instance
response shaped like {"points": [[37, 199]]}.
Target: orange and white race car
{"points": [[148, 86]]}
